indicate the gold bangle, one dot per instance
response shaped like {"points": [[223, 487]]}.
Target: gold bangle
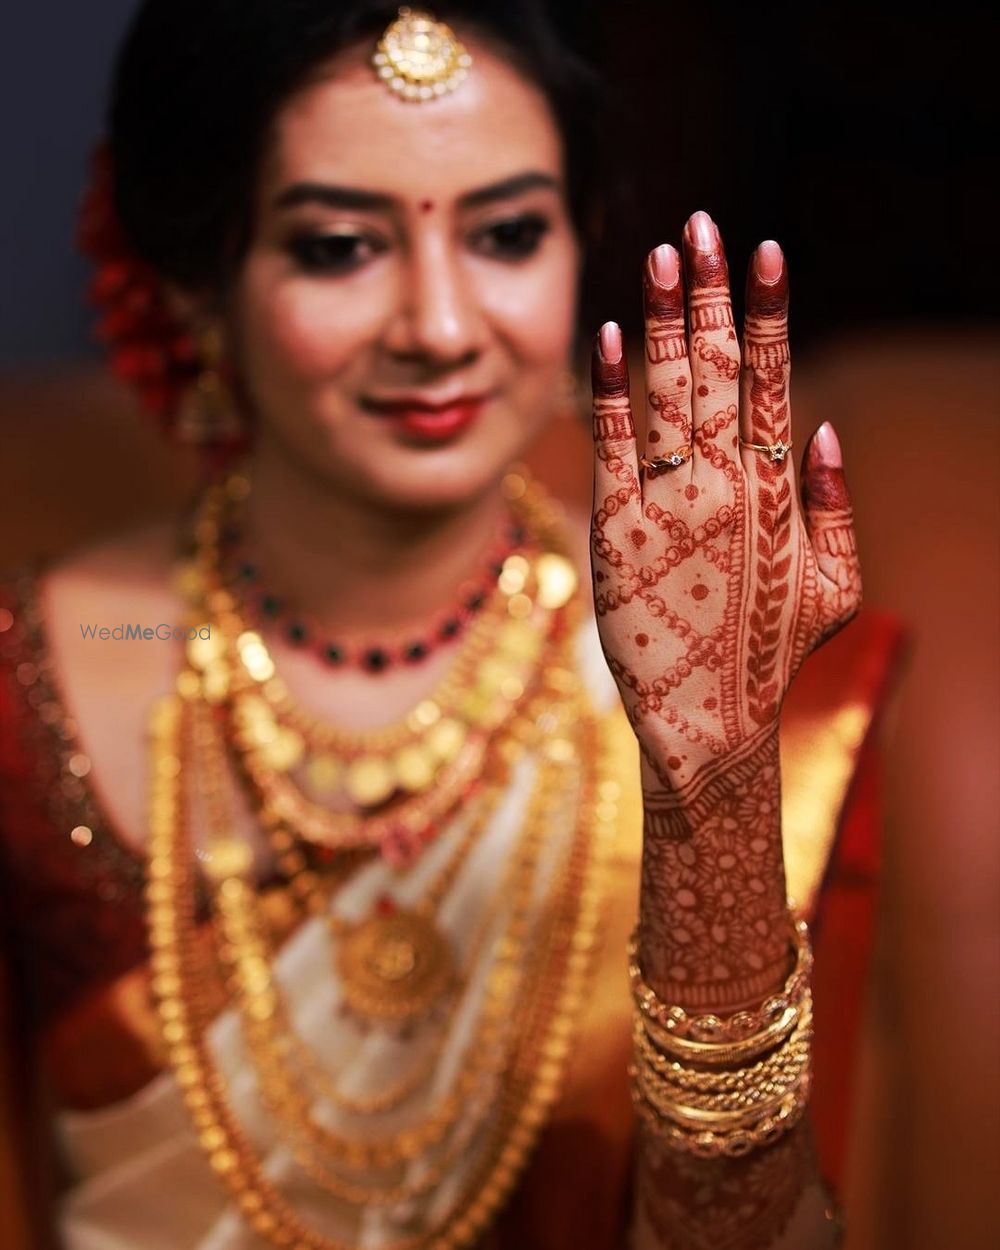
{"points": [[710, 1111], [719, 1120], [740, 1025], [710, 1082], [727, 1055], [749, 1092], [688, 1086], [725, 1109], [708, 1144]]}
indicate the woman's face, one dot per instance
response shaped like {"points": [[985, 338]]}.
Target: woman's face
{"points": [[403, 319]]}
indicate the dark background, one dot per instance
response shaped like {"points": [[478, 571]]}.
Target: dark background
{"points": [[864, 141]]}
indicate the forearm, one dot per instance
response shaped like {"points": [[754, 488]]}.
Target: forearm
{"points": [[714, 938], [773, 1198], [713, 917]]}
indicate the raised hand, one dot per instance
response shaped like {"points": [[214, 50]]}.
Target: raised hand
{"points": [[711, 582]]}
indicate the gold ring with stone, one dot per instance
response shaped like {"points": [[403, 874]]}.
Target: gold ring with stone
{"points": [[673, 460], [777, 451]]}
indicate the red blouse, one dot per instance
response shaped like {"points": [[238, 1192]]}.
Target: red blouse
{"points": [[70, 889]]}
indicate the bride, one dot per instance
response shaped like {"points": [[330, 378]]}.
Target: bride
{"points": [[330, 805]]}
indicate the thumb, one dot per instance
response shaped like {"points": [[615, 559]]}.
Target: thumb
{"points": [[829, 523]]}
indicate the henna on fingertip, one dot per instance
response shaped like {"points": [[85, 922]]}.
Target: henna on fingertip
{"points": [[824, 487], [765, 325], [763, 298], [705, 262], [663, 301], [609, 378]]}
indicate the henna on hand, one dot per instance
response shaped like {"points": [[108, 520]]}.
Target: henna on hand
{"points": [[688, 1203], [713, 910], [712, 583]]}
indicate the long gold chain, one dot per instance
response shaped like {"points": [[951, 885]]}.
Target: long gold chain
{"points": [[406, 1087], [504, 1097], [263, 1013], [553, 1001]]}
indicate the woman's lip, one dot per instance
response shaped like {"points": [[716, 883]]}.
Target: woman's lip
{"points": [[433, 425], [418, 403]]}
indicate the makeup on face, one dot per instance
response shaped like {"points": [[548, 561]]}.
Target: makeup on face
{"points": [[408, 303]]}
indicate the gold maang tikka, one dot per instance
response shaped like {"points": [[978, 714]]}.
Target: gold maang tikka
{"points": [[420, 58]]}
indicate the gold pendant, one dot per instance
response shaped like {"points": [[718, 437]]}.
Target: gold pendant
{"points": [[419, 58], [394, 966]]}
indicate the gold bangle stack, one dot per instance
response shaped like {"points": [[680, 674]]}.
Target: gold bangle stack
{"points": [[716, 1086]]}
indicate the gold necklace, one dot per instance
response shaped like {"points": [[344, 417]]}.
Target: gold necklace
{"points": [[372, 964], [393, 966], [261, 1008], [533, 1075], [548, 999], [480, 693]]}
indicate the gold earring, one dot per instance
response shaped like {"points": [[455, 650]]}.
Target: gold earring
{"points": [[208, 415]]}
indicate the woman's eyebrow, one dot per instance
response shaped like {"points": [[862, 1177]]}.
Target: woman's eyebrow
{"points": [[331, 196], [507, 188]]}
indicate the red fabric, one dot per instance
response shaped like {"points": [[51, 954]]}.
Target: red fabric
{"points": [[70, 916], [842, 942]]}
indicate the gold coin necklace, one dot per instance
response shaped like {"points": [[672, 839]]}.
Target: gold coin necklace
{"points": [[486, 684]]}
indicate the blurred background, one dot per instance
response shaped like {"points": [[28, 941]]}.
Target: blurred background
{"points": [[866, 143]]}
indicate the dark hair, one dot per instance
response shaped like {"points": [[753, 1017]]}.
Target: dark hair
{"points": [[198, 83]]}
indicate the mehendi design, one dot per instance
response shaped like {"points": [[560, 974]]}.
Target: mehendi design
{"points": [[712, 584], [712, 860], [726, 366], [669, 409], [612, 426], [723, 1204], [666, 342], [765, 336]]}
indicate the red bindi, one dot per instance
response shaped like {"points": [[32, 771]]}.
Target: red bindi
{"points": [[426, 205]]}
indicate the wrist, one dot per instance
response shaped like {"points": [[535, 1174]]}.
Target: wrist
{"points": [[721, 1083], [713, 912], [678, 773]]}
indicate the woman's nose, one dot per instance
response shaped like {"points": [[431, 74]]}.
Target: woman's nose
{"points": [[437, 317]]}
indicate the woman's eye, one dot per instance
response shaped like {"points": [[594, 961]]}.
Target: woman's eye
{"points": [[332, 253], [512, 239]]}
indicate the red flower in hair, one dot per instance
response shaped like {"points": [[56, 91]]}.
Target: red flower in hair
{"points": [[149, 348]]}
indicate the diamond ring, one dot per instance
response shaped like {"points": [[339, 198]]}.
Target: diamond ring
{"points": [[658, 464]]}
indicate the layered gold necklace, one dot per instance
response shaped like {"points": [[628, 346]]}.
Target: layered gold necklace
{"points": [[512, 700]]}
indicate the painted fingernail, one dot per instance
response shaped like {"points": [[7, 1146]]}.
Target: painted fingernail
{"points": [[665, 265], [608, 365], [826, 447], [823, 486], [610, 338], [769, 262], [703, 231]]}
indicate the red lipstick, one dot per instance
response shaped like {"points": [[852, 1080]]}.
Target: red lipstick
{"points": [[426, 420]]}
